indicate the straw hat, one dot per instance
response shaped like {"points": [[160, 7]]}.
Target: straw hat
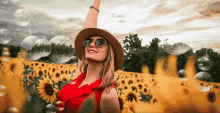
{"points": [[86, 33]]}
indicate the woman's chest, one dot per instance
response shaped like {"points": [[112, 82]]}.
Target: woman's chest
{"points": [[89, 101]]}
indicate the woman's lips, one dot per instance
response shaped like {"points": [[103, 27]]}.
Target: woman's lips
{"points": [[92, 51]]}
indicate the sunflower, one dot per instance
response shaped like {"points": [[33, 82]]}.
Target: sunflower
{"points": [[38, 72], [130, 107], [122, 81], [66, 71], [36, 63], [121, 76], [139, 85], [31, 77], [37, 67], [136, 75], [56, 76], [14, 66], [48, 68], [64, 78], [45, 72], [46, 90], [130, 95], [154, 100], [61, 66], [130, 81], [125, 87], [53, 69], [31, 64], [137, 80], [144, 90], [134, 87]]}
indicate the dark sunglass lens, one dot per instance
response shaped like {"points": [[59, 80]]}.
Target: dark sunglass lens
{"points": [[87, 42], [100, 42]]}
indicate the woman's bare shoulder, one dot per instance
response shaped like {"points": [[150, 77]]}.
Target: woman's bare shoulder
{"points": [[109, 101]]}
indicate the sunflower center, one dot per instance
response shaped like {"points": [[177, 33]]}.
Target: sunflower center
{"points": [[145, 90], [131, 96], [155, 100], [134, 88], [125, 87], [130, 82], [31, 78], [64, 79], [40, 72], [48, 89], [123, 82], [211, 97], [53, 69], [120, 103], [57, 75], [36, 64], [140, 86], [65, 72], [137, 80]]}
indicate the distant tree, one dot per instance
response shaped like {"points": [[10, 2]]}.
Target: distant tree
{"points": [[14, 50], [132, 48], [182, 59], [154, 44], [154, 47]]}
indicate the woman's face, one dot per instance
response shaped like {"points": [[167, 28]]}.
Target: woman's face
{"points": [[98, 53]]}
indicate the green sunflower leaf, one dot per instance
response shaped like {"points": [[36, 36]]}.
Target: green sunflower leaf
{"points": [[88, 106]]}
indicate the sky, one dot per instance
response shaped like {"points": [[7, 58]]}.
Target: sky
{"points": [[193, 22]]}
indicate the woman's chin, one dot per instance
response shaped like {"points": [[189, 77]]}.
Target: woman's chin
{"points": [[93, 60]]}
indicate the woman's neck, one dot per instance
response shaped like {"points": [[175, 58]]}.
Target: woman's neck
{"points": [[94, 70]]}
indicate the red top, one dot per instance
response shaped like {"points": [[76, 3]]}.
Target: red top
{"points": [[73, 97]]}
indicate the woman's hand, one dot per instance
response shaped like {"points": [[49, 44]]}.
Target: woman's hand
{"points": [[96, 3]]}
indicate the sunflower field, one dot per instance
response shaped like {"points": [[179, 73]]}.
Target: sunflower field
{"points": [[31, 86]]}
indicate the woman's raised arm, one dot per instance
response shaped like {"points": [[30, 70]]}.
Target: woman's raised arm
{"points": [[90, 22], [92, 17]]}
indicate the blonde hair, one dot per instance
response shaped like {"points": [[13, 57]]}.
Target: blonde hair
{"points": [[108, 71]]}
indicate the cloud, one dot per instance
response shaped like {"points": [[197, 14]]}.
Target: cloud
{"points": [[118, 16], [121, 21], [40, 1]]}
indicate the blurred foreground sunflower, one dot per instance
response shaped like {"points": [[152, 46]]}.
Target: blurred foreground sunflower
{"points": [[46, 90], [132, 95], [121, 100], [14, 66]]}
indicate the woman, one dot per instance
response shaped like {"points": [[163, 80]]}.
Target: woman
{"points": [[100, 55]]}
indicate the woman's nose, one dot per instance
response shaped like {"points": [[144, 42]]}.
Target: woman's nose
{"points": [[93, 43]]}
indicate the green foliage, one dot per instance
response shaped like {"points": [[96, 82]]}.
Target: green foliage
{"points": [[132, 59], [145, 97], [154, 45]]}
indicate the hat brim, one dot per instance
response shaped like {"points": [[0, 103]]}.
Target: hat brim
{"points": [[86, 33]]}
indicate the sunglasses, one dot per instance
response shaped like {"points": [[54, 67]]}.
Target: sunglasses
{"points": [[99, 42]]}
